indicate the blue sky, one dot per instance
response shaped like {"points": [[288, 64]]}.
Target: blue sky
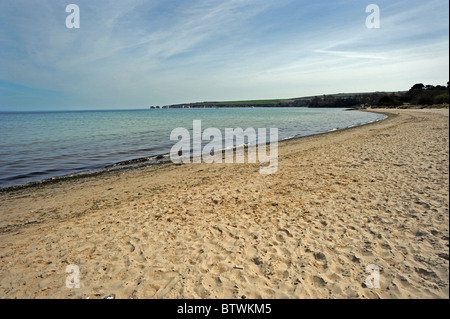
{"points": [[136, 53]]}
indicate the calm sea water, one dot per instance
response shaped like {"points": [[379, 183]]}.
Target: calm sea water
{"points": [[41, 145]]}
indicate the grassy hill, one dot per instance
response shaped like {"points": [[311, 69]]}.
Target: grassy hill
{"points": [[419, 94], [344, 99]]}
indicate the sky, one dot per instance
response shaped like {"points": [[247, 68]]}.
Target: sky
{"points": [[137, 53]]}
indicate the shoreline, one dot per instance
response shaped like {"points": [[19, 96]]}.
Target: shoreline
{"points": [[340, 202], [154, 160]]}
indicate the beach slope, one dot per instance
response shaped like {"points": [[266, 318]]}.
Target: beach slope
{"points": [[375, 196]]}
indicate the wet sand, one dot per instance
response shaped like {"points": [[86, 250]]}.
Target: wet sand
{"points": [[372, 195]]}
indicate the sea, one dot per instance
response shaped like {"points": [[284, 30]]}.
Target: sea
{"points": [[37, 146]]}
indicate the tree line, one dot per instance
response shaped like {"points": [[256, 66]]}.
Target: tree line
{"points": [[419, 94]]}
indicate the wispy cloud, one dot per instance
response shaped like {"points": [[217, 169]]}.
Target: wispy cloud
{"points": [[353, 55], [140, 52]]}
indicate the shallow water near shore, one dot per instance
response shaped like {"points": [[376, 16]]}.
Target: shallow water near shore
{"points": [[41, 145]]}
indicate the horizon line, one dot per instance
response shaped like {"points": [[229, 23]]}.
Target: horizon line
{"points": [[187, 103]]}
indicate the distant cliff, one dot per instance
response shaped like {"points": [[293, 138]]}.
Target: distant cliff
{"points": [[419, 94]]}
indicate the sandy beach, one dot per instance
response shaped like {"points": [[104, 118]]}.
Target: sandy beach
{"points": [[341, 201]]}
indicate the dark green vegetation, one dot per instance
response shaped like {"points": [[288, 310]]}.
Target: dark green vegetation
{"points": [[419, 94]]}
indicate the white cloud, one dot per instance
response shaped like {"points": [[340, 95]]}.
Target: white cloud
{"points": [[152, 52]]}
